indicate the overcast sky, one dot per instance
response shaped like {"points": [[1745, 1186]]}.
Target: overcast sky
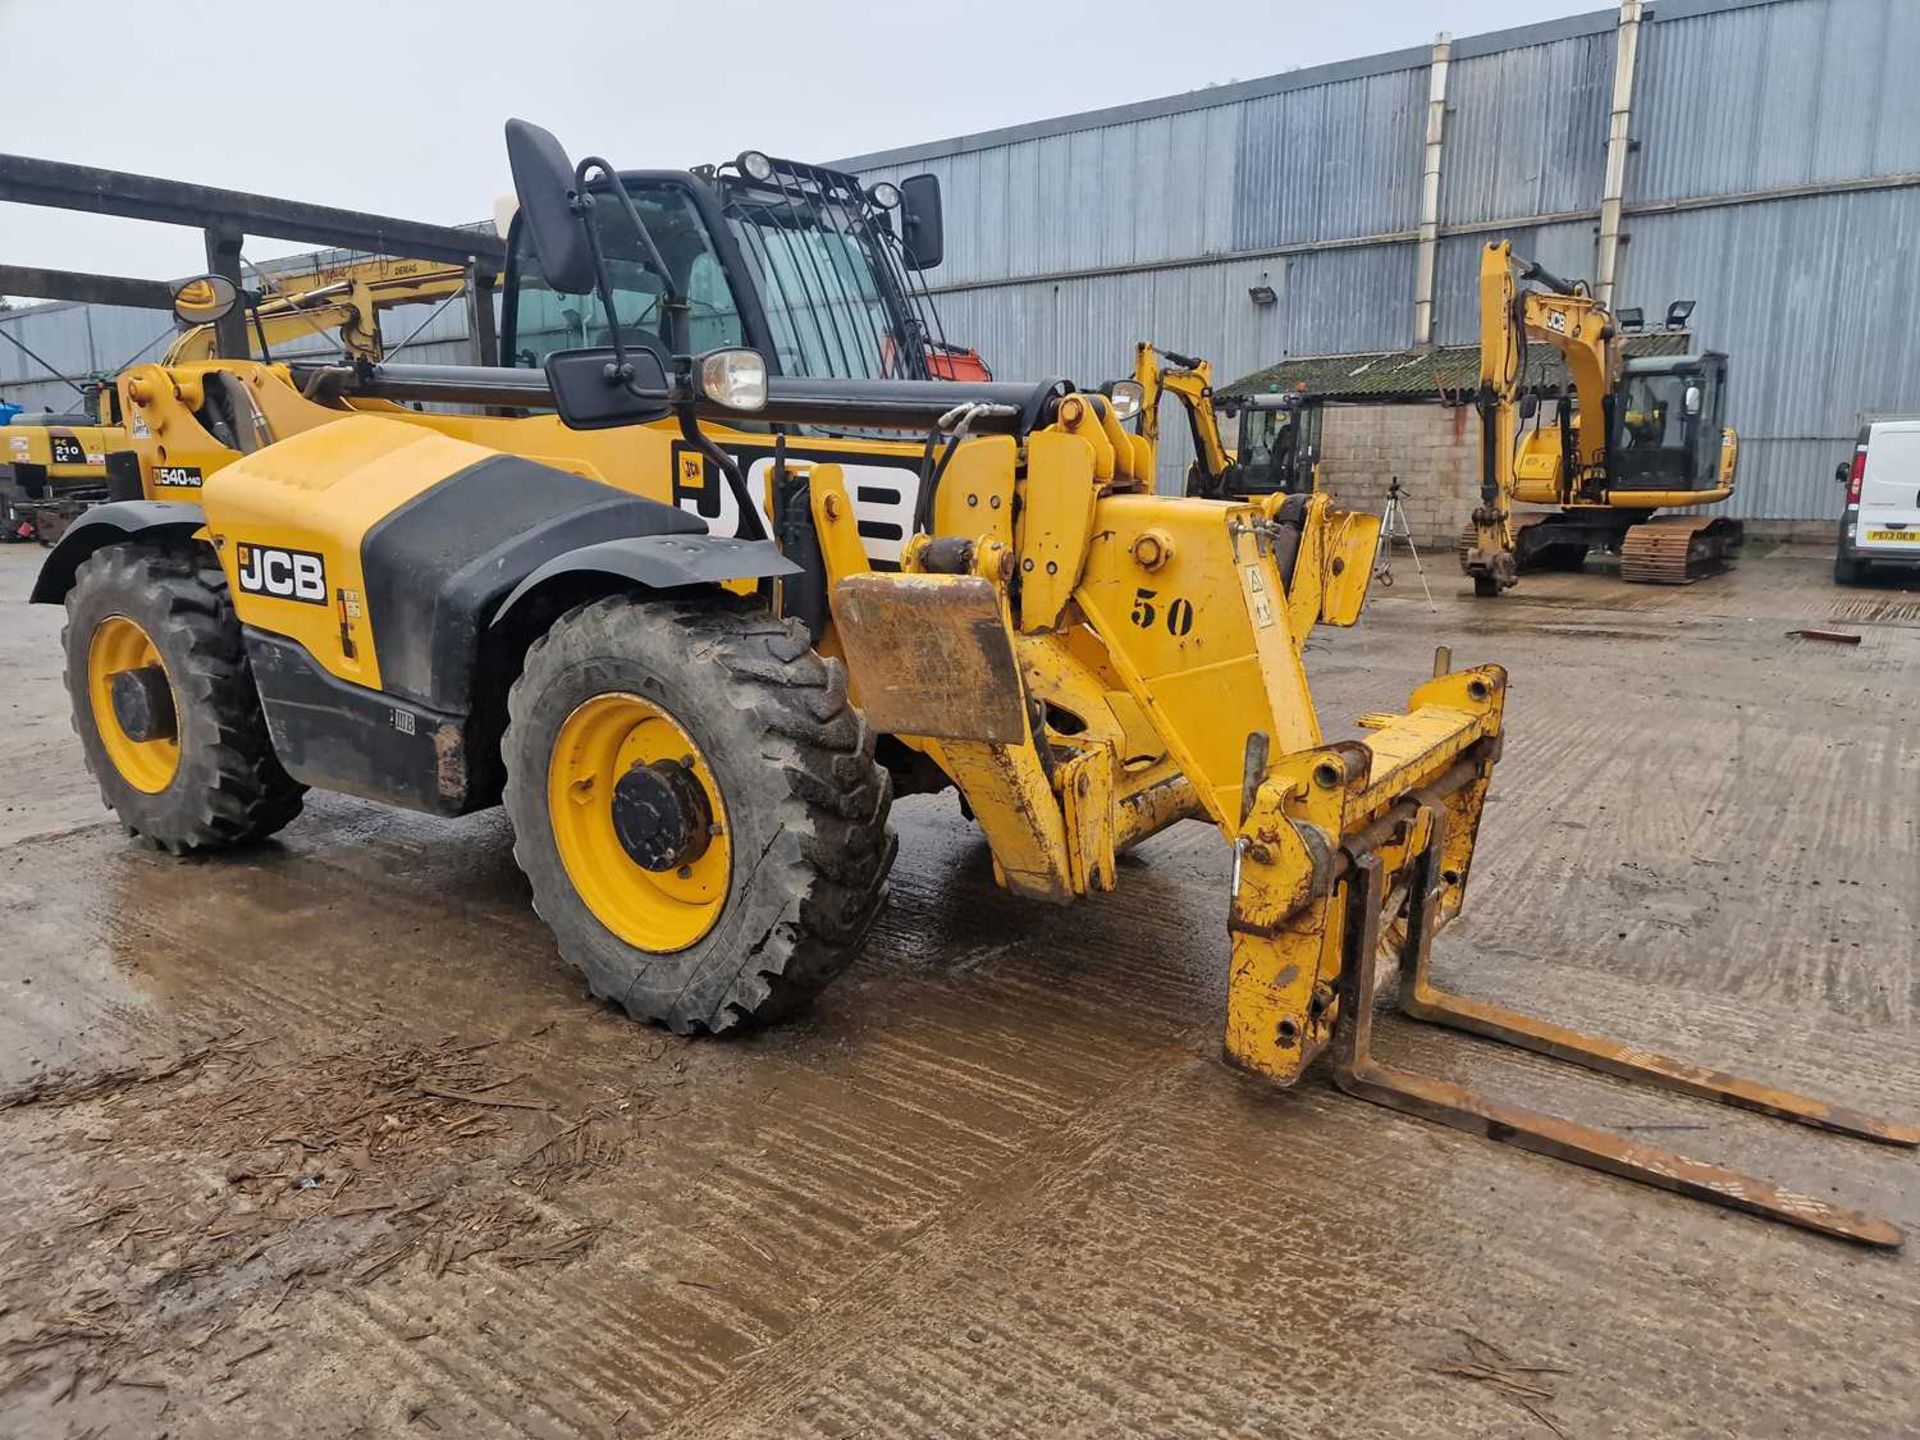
{"points": [[397, 107]]}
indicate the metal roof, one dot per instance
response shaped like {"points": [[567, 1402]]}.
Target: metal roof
{"points": [[1445, 372]]}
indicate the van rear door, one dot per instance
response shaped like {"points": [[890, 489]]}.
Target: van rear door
{"points": [[1890, 491]]}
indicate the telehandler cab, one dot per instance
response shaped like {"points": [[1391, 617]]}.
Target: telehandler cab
{"points": [[665, 625]]}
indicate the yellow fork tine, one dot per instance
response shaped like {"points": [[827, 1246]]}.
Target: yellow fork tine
{"points": [[1356, 1072]]}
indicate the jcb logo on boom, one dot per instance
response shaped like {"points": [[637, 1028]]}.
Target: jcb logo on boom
{"points": [[283, 574]]}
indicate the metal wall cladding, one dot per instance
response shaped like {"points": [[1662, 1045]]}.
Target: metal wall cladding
{"points": [[1085, 328], [1566, 249], [1758, 97], [1331, 162], [1813, 299], [1526, 130], [1135, 193], [77, 341]]}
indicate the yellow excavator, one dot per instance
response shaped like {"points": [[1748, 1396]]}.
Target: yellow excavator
{"points": [[1158, 373], [1633, 437], [1277, 443], [339, 302], [718, 591], [53, 467]]}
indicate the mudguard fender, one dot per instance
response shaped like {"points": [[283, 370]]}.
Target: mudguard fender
{"points": [[658, 562], [111, 524]]}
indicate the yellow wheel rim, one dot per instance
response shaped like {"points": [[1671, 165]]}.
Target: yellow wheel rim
{"points": [[661, 910], [121, 644]]}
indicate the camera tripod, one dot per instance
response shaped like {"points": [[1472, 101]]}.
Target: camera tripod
{"points": [[1394, 526]]}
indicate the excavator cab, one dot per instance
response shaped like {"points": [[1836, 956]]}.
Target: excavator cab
{"points": [[1668, 423], [1278, 443]]}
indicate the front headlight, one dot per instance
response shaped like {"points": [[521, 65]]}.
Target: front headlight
{"points": [[736, 379], [756, 166], [886, 195], [1126, 397]]}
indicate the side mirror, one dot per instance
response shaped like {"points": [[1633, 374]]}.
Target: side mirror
{"points": [[204, 299], [1843, 472], [1529, 406], [921, 230], [589, 395], [543, 183], [1127, 397]]}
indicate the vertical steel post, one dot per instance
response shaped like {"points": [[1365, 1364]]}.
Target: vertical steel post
{"points": [[223, 259], [1428, 255], [481, 333], [1619, 123]]}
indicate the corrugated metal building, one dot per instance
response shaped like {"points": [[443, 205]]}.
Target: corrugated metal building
{"points": [[1774, 177]]}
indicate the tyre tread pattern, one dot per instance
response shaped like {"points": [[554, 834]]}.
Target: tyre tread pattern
{"points": [[830, 845], [242, 792]]}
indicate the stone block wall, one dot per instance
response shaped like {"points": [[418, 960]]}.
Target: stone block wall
{"points": [[1434, 449]]}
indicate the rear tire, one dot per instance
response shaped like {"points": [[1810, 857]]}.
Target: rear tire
{"points": [[1847, 571], [804, 806], [225, 785]]}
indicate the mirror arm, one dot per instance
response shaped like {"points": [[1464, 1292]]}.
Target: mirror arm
{"points": [[736, 482], [681, 397], [582, 205]]}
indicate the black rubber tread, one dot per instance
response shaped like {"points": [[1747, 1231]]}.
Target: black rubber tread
{"points": [[807, 805], [230, 787]]}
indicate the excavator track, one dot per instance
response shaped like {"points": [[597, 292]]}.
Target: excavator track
{"points": [[1679, 549]]}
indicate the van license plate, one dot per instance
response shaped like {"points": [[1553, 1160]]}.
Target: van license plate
{"points": [[1910, 535]]}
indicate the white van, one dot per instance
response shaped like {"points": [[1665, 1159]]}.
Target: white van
{"points": [[1881, 526]]}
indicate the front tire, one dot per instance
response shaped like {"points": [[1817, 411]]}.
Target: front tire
{"points": [[180, 747], [696, 806]]}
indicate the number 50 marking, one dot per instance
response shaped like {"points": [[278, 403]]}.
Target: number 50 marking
{"points": [[1179, 611]]}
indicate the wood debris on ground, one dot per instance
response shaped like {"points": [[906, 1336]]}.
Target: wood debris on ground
{"points": [[1485, 1363], [332, 1169]]}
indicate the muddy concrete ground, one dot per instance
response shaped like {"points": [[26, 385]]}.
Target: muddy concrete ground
{"points": [[322, 1140]]}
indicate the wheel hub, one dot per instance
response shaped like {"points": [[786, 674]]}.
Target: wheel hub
{"points": [[661, 816], [143, 704]]}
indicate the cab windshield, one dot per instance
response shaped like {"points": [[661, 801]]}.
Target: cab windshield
{"points": [[1668, 428], [818, 270], [545, 320], [821, 282], [1278, 449]]}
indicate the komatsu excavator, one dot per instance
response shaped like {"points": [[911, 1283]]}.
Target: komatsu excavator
{"points": [[1632, 438], [723, 587]]}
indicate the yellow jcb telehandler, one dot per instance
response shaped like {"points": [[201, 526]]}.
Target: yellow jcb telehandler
{"points": [[697, 615]]}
